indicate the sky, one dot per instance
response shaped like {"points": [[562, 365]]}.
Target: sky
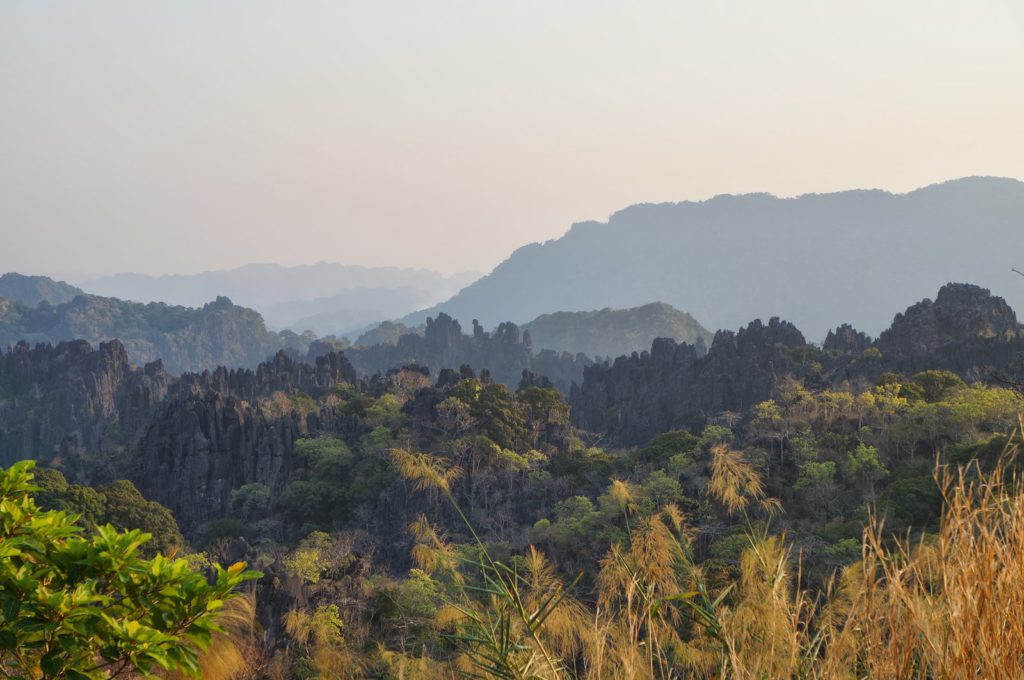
{"points": [[192, 135]]}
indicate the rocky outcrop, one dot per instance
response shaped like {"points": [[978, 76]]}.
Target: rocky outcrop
{"points": [[222, 429], [505, 353], [846, 340], [965, 330], [282, 373], [962, 314], [74, 402], [199, 448], [637, 397]]}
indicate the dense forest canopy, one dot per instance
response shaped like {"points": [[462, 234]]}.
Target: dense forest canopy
{"points": [[381, 507]]}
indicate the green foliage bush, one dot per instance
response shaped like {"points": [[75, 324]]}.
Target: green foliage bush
{"points": [[73, 606], [119, 504]]}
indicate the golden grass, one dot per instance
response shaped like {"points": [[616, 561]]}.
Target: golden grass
{"points": [[944, 606], [236, 653]]}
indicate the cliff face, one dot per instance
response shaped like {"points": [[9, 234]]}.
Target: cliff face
{"points": [[964, 328], [222, 429], [846, 340], [637, 397], [73, 402], [199, 448], [186, 441], [282, 373]]}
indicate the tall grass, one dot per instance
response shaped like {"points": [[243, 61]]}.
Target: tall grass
{"points": [[944, 606], [236, 653]]}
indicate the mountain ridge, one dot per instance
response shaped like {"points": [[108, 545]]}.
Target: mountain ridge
{"points": [[183, 338], [31, 290], [735, 257]]}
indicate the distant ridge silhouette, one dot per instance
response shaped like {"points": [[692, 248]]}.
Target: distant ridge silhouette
{"points": [[817, 259]]}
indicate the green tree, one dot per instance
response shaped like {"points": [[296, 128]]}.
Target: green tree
{"points": [[90, 607], [665, 446], [938, 385], [311, 558], [126, 508], [816, 484], [119, 504], [251, 501], [715, 434], [864, 465]]}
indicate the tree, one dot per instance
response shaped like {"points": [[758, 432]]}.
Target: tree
{"points": [[664, 447], [119, 504], [817, 485], [90, 607], [864, 464], [251, 502], [937, 385]]}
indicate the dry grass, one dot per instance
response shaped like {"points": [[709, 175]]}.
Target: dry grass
{"points": [[946, 606], [236, 653]]}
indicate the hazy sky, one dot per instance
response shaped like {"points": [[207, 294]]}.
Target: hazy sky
{"points": [[181, 136]]}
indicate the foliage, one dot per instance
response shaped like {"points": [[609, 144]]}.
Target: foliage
{"points": [[185, 339], [309, 560], [119, 504], [82, 607]]}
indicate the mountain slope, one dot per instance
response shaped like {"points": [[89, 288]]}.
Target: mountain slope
{"points": [[219, 333], [31, 290], [349, 310], [611, 332], [816, 260]]}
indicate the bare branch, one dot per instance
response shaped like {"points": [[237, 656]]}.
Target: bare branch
{"points": [[1014, 269]]}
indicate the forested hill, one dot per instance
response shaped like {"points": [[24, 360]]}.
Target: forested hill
{"points": [[31, 290], [185, 339], [612, 332], [817, 260], [91, 409]]}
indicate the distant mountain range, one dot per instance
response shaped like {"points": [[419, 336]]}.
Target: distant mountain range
{"points": [[350, 310], [327, 298], [222, 333], [816, 260]]}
